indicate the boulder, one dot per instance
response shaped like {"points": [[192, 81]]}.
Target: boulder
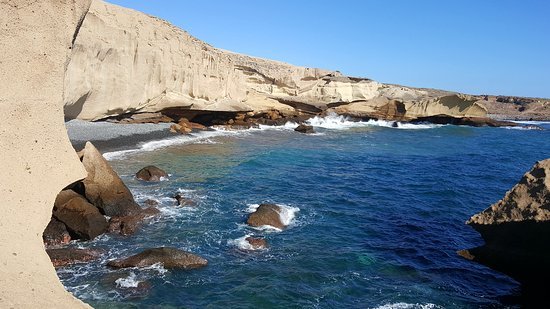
{"points": [[266, 214], [185, 126], [66, 256], [81, 218], [128, 225], [184, 201], [151, 173], [302, 128], [516, 230], [257, 243], [168, 257], [56, 234], [103, 187]]}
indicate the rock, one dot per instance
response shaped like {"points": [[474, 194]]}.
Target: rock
{"points": [[67, 256], [103, 187], [257, 243], [168, 257], [184, 201], [516, 230], [128, 225], [56, 234], [81, 218], [266, 214], [302, 128], [151, 173], [127, 284], [151, 202]]}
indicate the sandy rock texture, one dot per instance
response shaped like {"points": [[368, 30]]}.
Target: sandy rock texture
{"points": [[126, 62], [35, 42]]}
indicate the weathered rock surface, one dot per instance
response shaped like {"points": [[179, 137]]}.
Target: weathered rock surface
{"points": [[103, 187], [303, 128], [516, 230], [56, 234], [127, 62], [168, 257], [151, 173], [128, 225], [266, 214], [81, 218], [66, 256]]}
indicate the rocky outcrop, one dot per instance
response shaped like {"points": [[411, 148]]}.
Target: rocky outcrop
{"points": [[516, 108], [56, 234], [128, 225], [168, 257], [257, 243], [516, 230], [35, 42], [151, 173], [66, 256], [266, 214], [103, 187], [303, 128], [125, 62]]}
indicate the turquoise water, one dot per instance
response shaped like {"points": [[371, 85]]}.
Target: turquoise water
{"points": [[379, 214]]}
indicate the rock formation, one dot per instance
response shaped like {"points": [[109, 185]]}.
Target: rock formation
{"points": [[516, 230], [168, 257], [125, 62], [151, 173], [266, 214], [35, 42]]}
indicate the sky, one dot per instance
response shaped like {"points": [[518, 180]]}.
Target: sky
{"points": [[471, 46]]}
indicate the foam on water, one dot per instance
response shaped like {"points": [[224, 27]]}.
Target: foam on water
{"points": [[128, 282], [408, 306], [242, 243], [339, 122]]}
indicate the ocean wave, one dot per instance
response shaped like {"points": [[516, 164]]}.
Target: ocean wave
{"points": [[408, 306], [128, 282], [242, 244], [339, 122]]}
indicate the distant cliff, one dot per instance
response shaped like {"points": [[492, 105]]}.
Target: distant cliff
{"points": [[126, 62]]}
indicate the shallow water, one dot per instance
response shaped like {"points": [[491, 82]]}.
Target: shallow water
{"points": [[376, 217]]}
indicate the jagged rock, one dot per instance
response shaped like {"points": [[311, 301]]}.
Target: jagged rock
{"points": [[128, 225], [266, 214], [302, 128], [66, 256], [257, 243], [184, 126], [151, 173], [56, 234], [516, 230], [168, 257], [103, 187], [81, 218]]}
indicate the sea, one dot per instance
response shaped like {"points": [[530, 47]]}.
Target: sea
{"points": [[376, 214]]}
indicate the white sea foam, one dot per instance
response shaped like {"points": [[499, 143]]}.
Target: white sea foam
{"points": [[408, 306], [128, 282], [339, 122], [243, 244]]}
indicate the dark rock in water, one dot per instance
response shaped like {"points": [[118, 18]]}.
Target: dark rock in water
{"points": [[81, 218], [302, 128], [266, 214], [168, 257], [151, 173], [150, 202], [516, 230], [257, 243], [103, 187], [56, 234], [395, 124], [67, 256], [128, 225], [470, 121], [184, 201]]}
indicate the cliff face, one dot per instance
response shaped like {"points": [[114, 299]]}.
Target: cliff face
{"points": [[124, 61], [35, 41]]}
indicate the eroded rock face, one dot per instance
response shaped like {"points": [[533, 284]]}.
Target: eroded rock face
{"points": [[56, 234], [516, 230], [104, 188], [168, 257], [151, 173], [81, 218], [266, 214]]}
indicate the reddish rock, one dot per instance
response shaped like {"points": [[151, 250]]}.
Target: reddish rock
{"points": [[257, 243], [168, 257], [266, 214], [56, 234], [67, 256], [151, 173]]}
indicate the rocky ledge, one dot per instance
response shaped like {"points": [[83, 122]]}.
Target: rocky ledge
{"points": [[516, 231]]}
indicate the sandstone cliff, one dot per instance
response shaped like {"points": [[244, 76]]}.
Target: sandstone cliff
{"points": [[127, 62], [35, 41]]}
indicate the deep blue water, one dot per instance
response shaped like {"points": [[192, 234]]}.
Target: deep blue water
{"points": [[381, 216]]}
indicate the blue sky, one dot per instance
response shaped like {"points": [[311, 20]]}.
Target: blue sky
{"points": [[472, 46]]}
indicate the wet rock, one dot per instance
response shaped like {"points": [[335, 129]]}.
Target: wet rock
{"points": [[168, 257], [302, 128], [80, 217], [516, 230], [184, 201], [67, 256], [128, 225], [257, 243], [151, 173], [128, 284], [56, 234], [103, 187], [151, 202], [266, 214]]}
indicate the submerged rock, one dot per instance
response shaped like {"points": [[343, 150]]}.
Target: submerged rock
{"points": [[56, 234], [516, 230], [302, 128], [266, 214], [81, 218], [67, 256], [184, 201], [103, 187], [151, 173], [168, 257], [128, 225], [257, 243]]}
